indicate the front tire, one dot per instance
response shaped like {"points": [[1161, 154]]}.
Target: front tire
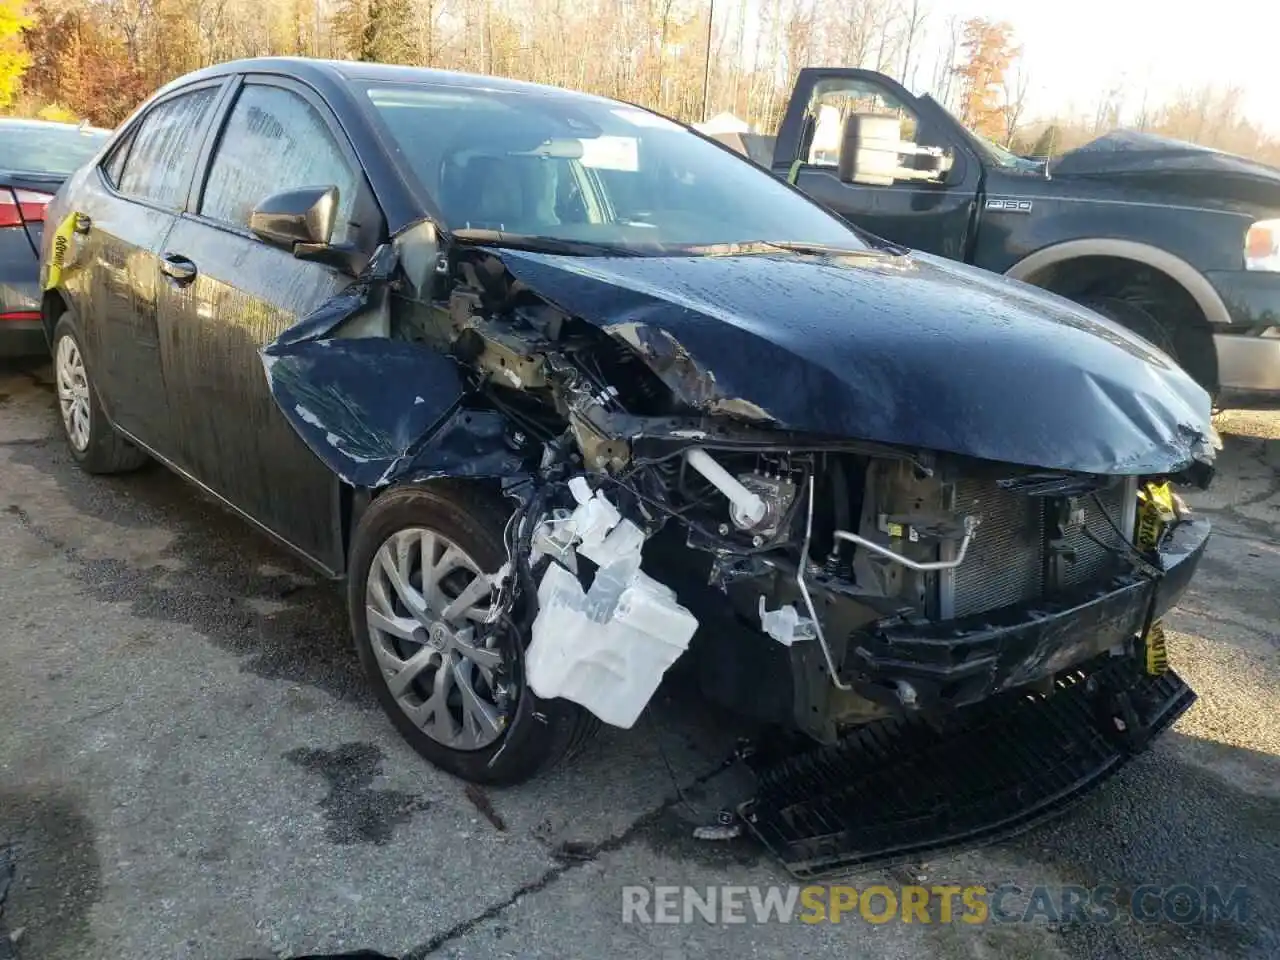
{"points": [[418, 593], [93, 441]]}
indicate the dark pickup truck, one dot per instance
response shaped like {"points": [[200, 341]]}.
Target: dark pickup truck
{"points": [[1177, 242]]}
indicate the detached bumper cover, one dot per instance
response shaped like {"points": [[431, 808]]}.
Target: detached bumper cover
{"points": [[900, 788], [960, 662]]}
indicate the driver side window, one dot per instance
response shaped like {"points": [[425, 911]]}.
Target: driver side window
{"points": [[835, 100], [275, 141]]}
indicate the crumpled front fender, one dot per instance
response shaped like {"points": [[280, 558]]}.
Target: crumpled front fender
{"points": [[377, 410]]}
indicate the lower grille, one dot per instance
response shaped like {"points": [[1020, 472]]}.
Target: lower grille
{"points": [[897, 789]]}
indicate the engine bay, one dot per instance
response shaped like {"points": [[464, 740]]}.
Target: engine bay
{"points": [[790, 543]]}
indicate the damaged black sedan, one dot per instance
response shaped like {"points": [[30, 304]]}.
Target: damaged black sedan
{"points": [[567, 393]]}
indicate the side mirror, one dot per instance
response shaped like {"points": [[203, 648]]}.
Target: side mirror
{"points": [[303, 217], [870, 149], [872, 152]]}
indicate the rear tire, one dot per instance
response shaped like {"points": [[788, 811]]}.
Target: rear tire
{"points": [[92, 440], [441, 687]]}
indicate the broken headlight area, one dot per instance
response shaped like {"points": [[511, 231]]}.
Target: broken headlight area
{"points": [[816, 582]]}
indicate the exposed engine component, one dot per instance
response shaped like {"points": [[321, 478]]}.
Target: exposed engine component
{"points": [[747, 510], [760, 502], [970, 526], [606, 647], [777, 493]]}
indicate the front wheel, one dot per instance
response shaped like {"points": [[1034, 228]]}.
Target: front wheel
{"points": [[419, 592]]}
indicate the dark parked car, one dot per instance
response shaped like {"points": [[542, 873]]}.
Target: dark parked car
{"points": [[1177, 242], [35, 158], [473, 345]]}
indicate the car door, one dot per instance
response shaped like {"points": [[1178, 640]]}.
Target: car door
{"points": [[235, 293], [935, 217], [127, 209]]}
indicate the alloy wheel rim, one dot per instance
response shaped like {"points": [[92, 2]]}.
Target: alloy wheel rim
{"points": [[426, 602], [73, 393]]}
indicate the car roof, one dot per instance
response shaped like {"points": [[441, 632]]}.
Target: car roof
{"points": [[31, 124], [346, 72]]}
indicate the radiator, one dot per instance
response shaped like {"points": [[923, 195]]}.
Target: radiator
{"points": [[1093, 561], [1007, 562]]}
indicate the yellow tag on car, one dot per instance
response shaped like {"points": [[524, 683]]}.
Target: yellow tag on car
{"points": [[1157, 650], [61, 246], [1155, 509]]}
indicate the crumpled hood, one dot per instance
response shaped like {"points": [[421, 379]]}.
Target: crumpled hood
{"points": [[1131, 155], [910, 350]]}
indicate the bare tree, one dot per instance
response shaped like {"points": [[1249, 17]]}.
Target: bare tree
{"points": [[946, 68], [914, 24], [653, 52], [1016, 81], [1110, 105]]}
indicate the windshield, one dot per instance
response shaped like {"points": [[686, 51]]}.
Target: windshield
{"points": [[603, 173], [1005, 158], [992, 152], [52, 148]]}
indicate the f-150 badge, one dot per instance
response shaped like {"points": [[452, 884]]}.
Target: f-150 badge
{"points": [[1009, 206]]}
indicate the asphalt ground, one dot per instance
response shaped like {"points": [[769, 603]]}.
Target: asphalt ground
{"points": [[191, 765]]}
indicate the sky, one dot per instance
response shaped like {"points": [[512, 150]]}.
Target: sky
{"points": [[1077, 49]]}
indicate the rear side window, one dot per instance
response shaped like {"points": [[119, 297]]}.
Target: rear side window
{"points": [[159, 166], [113, 169], [275, 141]]}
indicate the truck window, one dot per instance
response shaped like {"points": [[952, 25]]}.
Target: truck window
{"points": [[834, 100]]}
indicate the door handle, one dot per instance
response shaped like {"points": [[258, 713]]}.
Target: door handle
{"points": [[178, 267]]}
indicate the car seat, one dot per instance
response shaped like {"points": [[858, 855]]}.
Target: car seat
{"points": [[484, 192]]}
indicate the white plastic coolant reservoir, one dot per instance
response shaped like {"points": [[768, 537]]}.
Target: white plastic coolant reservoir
{"points": [[608, 648]]}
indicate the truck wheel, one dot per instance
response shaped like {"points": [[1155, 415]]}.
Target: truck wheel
{"points": [[1187, 344], [94, 443], [418, 595], [1135, 317]]}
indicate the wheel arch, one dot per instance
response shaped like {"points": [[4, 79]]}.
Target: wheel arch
{"points": [[1080, 269], [1048, 260], [52, 306], [354, 502]]}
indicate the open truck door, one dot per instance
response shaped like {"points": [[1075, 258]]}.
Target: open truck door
{"points": [[861, 144]]}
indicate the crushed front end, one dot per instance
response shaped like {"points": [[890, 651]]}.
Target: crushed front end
{"points": [[951, 609], [1025, 664], [964, 646], [885, 584]]}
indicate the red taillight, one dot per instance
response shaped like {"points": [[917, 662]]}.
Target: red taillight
{"points": [[22, 206], [19, 315]]}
